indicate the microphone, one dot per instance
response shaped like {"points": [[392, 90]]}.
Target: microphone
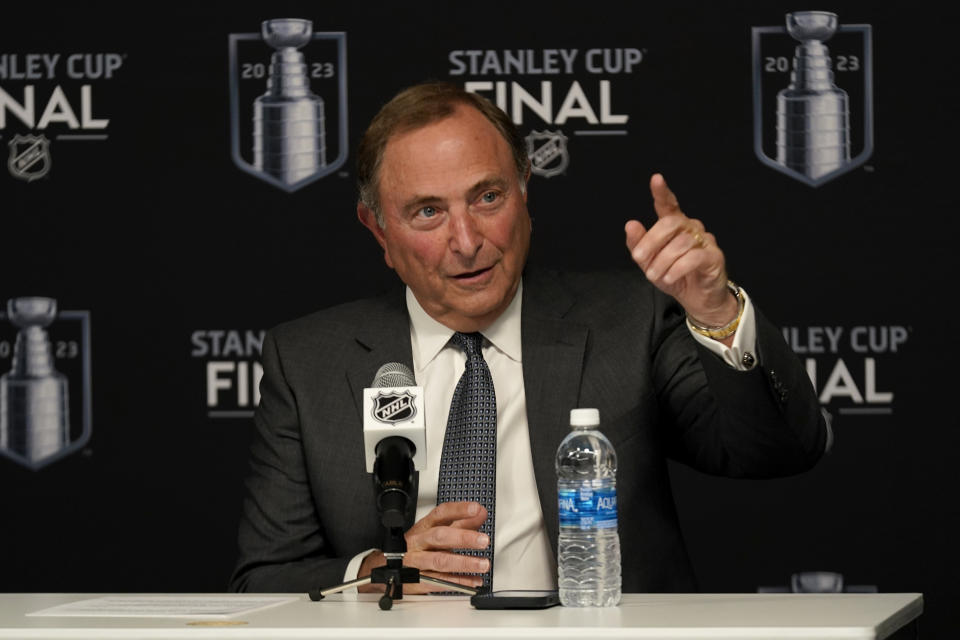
{"points": [[394, 440], [393, 406]]}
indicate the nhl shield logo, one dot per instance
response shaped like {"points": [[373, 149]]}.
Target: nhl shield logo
{"points": [[45, 412], [813, 96], [29, 157], [394, 407], [288, 102], [548, 153]]}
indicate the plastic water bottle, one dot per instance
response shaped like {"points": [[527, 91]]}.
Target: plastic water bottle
{"points": [[589, 563]]}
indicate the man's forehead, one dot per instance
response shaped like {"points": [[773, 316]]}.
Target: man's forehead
{"points": [[464, 148]]}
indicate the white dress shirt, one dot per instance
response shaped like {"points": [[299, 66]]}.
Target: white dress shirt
{"points": [[523, 558]]}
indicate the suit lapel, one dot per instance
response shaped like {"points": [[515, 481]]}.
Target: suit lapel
{"points": [[383, 337], [553, 352]]}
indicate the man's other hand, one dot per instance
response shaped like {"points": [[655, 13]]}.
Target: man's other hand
{"points": [[430, 544]]}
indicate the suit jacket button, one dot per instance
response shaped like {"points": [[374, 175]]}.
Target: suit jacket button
{"points": [[748, 360]]}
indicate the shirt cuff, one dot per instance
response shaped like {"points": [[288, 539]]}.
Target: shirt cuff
{"points": [[353, 568], [743, 354]]}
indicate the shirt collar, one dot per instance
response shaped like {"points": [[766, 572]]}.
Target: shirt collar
{"points": [[429, 337]]}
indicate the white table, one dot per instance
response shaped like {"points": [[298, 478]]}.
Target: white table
{"points": [[684, 616]]}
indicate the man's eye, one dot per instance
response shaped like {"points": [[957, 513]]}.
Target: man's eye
{"points": [[490, 196], [427, 212]]}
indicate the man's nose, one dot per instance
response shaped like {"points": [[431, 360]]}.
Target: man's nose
{"points": [[465, 236]]}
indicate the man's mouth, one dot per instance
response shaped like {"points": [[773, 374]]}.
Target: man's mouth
{"points": [[471, 274]]}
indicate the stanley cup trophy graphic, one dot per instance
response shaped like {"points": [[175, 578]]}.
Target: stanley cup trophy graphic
{"points": [[34, 417], [288, 121], [813, 116]]}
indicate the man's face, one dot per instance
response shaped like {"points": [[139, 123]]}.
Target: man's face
{"points": [[457, 229]]}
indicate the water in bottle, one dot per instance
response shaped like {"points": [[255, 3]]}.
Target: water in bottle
{"points": [[589, 549]]}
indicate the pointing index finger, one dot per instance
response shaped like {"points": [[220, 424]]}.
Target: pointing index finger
{"points": [[664, 201]]}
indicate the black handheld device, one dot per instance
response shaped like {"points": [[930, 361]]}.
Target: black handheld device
{"points": [[516, 599]]}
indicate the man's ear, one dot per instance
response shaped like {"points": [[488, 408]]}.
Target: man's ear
{"points": [[369, 220]]}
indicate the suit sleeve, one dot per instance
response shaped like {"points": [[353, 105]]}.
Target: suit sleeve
{"points": [[282, 546], [764, 422]]}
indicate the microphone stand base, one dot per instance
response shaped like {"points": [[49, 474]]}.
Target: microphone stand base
{"points": [[394, 575]]}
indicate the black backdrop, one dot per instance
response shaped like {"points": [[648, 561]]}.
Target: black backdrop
{"points": [[174, 260]]}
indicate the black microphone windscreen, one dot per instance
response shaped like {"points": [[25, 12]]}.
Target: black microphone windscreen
{"points": [[394, 374]]}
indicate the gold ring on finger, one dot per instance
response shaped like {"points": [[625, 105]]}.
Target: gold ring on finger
{"points": [[698, 239]]}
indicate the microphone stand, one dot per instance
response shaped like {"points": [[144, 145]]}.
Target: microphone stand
{"points": [[394, 574], [393, 483]]}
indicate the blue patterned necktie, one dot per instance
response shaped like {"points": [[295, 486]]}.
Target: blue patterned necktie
{"points": [[468, 464]]}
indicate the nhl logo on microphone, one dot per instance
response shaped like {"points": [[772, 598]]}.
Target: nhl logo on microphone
{"points": [[394, 411], [394, 407]]}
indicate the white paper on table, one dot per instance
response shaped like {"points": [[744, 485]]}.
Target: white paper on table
{"points": [[161, 606]]}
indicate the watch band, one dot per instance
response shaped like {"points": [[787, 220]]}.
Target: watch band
{"points": [[719, 333]]}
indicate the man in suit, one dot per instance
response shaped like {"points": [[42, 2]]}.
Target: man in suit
{"points": [[676, 358]]}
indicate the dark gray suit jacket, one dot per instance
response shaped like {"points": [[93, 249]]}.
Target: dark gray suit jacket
{"points": [[610, 341]]}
